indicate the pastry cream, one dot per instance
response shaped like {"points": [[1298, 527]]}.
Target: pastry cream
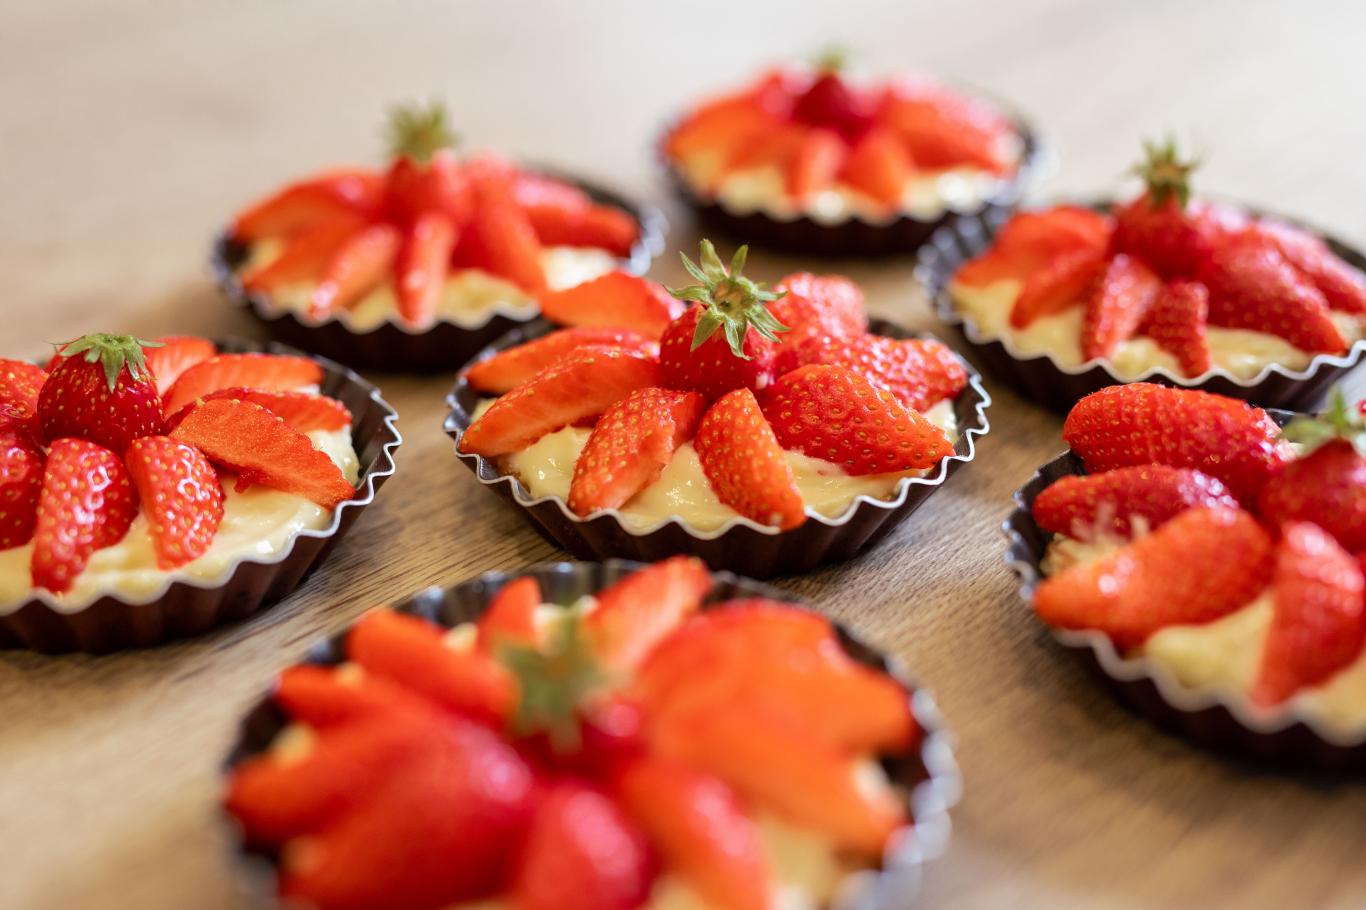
{"points": [[546, 467], [469, 298], [258, 523], [1224, 656], [928, 194], [1240, 352]]}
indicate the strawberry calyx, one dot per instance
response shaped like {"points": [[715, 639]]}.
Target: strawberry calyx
{"points": [[555, 681], [1340, 421], [832, 59], [733, 303], [419, 132], [113, 353], [1166, 173]]}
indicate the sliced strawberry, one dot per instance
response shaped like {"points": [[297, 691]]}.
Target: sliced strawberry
{"points": [[1031, 240], [1057, 286], [744, 463], [505, 237], [328, 697], [86, 503], [631, 444], [421, 268], [1142, 423], [442, 829], [361, 264], [262, 449], [834, 413], [176, 355], [944, 131], [1176, 321], [1319, 624], [776, 766], [814, 307], [277, 798], [919, 372], [99, 388], [754, 654], [702, 831], [303, 411], [599, 226], [511, 616], [180, 496], [304, 204], [582, 853], [1112, 501], [1118, 301], [583, 384], [879, 167], [1252, 286], [20, 385], [1343, 286], [718, 129], [508, 369], [638, 612], [818, 161], [412, 652], [1200, 566], [21, 481], [268, 372], [617, 300], [775, 148], [305, 255]]}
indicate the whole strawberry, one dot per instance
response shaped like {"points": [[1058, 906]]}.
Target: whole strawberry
{"points": [[100, 389], [832, 103], [1327, 483], [726, 340], [1164, 227]]}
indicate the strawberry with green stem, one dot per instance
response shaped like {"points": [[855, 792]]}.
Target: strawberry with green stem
{"points": [[725, 341], [100, 389], [1326, 484]]}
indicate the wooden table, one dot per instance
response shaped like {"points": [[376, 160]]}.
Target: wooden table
{"points": [[131, 130]]}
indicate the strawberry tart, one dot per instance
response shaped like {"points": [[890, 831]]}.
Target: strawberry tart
{"points": [[766, 430], [809, 159], [1210, 554], [1163, 286], [417, 265], [550, 740], [151, 489]]}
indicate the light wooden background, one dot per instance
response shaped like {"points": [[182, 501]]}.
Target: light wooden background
{"points": [[129, 131]]}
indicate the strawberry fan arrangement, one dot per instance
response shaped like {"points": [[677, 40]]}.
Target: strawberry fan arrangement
{"points": [[743, 375], [587, 761], [350, 232], [116, 427], [865, 146], [1206, 556], [1166, 268]]}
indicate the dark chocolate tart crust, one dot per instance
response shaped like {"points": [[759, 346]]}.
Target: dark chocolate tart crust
{"points": [[854, 236], [392, 347], [929, 780], [1040, 378], [1221, 722], [740, 545], [190, 606]]}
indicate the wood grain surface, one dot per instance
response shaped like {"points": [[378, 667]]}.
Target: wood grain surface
{"points": [[132, 130]]}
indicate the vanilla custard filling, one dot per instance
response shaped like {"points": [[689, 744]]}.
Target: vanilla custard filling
{"points": [[927, 194], [546, 468], [1241, 352], [1224, 656], [807, 869], [259, 523], [469, 298]]}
